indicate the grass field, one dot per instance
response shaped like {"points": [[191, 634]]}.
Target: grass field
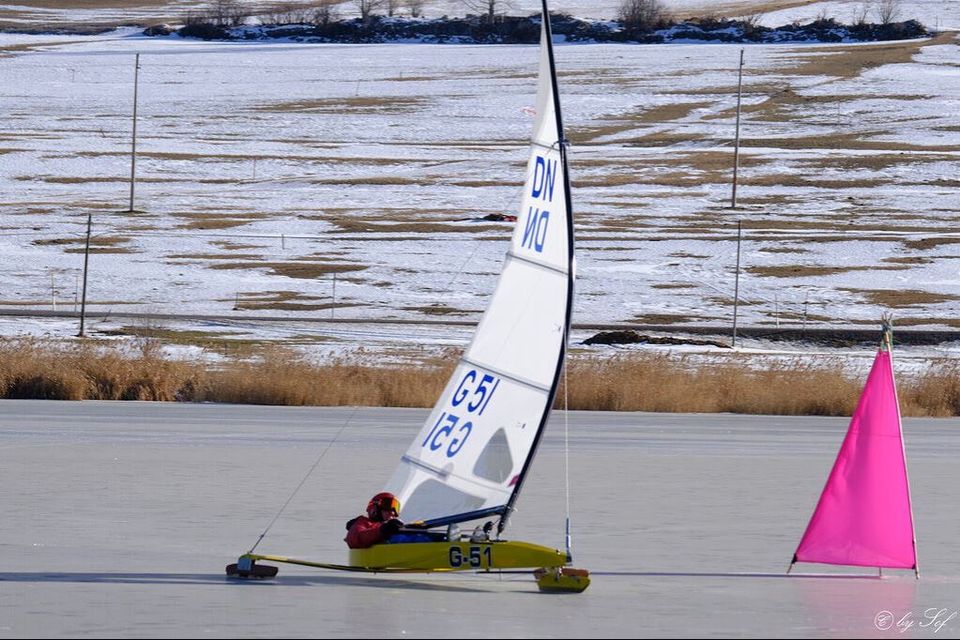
{"points": [[637, 382]]}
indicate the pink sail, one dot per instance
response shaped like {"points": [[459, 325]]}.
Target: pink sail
{"points": [[864, 516]]}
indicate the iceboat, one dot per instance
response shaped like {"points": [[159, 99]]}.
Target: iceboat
{"points": [[469, 462]]}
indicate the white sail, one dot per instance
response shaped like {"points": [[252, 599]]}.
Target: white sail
{"points": [[471, 455]]}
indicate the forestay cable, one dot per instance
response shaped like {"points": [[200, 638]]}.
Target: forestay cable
{"points": [[299, 486]]}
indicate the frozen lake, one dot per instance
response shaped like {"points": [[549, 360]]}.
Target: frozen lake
{"points": [[119, 519]]}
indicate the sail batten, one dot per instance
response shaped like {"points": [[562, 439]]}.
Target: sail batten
{"points": [[503, 374], [539, 263], [550, 146], [474, 451]]}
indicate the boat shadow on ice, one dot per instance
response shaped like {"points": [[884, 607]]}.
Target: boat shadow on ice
{"points": [[311, 580], [741, 574]]}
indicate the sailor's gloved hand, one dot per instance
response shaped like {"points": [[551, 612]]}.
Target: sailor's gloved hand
{"points": [[390, 527]]}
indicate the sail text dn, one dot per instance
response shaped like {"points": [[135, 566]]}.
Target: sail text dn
{"points": [[538, 216]]}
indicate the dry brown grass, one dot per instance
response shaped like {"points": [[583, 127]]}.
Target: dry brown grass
{"points": [[277, 376], [22, 48], [899, 298], [201, 221], [101, 250], [639, 119], [439, 309], [303, 269], [808, 271], [284, 300], [29, 369], [372, 180], [847, 61], [736, 9], [662, 383], [673, 285], [871, 162], [213, 256], [281, 378], [783, 250], [841, 222], [665, 318], [785, 180], [346, 225], [935, 393], [88, 371], [908, 260], [843, 142], [355, 105], [229, 245], [924, 244]]}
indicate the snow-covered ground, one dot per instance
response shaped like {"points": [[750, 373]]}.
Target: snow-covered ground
{"points": [[263, 169], [935, 14]]}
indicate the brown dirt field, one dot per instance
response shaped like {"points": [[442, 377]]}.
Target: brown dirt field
{"points": [[302, 270], [900, 298], [735, 9], [805, 271], [354, 105], [845, 61]]}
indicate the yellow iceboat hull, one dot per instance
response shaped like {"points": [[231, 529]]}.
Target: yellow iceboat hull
{"points": [[458, 556], [551, 571]]}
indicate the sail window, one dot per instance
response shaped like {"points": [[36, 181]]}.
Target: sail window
{"points": [[495, 462]]}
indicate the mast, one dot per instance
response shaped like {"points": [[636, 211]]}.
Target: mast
{"points": [[561, 356], [886, 343], [474, 451]]}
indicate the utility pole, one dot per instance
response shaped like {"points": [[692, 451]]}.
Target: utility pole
{"points": [[736, 288], [803, 327], [86, 261], [736, 141], [333, 306], [133, 144]]}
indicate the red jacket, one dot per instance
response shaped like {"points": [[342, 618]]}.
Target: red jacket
{"points": [[362, 532]]}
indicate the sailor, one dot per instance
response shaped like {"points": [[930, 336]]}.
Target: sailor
{"points": [[381, 522]]}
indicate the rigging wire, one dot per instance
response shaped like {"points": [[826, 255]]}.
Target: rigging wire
{"points": [[299, 486], [477, 244], [566, 457]]}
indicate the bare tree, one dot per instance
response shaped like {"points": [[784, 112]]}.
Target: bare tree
{"points": [[317, 12], [392, 6], [751, 23], [324, 12], [641, 16], [861, 13], [487, 8], [227, 13], [888, 11], [415, 7], [284, 13], [367, 8]]}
